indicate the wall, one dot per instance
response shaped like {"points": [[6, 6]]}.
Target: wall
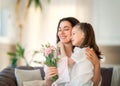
{"points": [[104, 17], [4, 58], [106, 21], [112, 54], [107, 28]]}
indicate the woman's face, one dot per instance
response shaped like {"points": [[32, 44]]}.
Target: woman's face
{"points": [[77, 36], [65, 31]]}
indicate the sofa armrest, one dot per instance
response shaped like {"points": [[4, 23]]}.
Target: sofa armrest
{"points": [[106, 76], [7, 77]]}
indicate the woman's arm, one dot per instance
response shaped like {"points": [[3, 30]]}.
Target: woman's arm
{"points": [[51, 71], [96, 62], [97, 75]]}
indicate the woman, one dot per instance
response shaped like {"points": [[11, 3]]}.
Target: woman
{"points": [[64, 32]]}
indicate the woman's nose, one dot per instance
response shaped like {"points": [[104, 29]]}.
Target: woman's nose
{"points": [[62, 32]]}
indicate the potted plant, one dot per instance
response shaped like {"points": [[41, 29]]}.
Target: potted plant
{"points": [[17, 55]]}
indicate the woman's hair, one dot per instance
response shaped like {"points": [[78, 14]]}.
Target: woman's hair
{"points": [[89, 40], [73, 21]]}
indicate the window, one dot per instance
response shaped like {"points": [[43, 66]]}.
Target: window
{"points": [[3, 22]]}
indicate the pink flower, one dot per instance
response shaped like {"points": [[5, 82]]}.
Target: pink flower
{"points": [[52, 47], [50, 52], [47, 51]]}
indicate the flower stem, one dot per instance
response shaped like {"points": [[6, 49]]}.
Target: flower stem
{"points": [[54, 78]]}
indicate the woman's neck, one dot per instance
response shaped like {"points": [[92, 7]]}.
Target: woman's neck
{"points": [[68, 49]]}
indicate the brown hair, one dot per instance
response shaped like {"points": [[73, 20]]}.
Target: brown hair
{"points": [[89, 40]]}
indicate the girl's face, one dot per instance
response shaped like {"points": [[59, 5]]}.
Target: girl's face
{"points": [[65, 30], [77, 36]]}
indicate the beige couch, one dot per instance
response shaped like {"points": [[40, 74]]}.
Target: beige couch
{"points": [[7, 76]]}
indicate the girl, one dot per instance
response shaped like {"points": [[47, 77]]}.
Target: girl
{"points": [[82, 37]]}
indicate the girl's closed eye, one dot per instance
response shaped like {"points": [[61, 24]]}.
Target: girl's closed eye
{"points": [[73, 33]]}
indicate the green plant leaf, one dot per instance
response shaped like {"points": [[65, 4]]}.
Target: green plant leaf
{"points": [[14, 62], [11, 54], [37, 62], [38, 4], [48, 1], [19, 53], [35, 52], [19, 50], [54, 78], [29, 3]]}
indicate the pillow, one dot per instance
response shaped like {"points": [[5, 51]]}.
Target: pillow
{"points": [[27, 75], [34, 83]]}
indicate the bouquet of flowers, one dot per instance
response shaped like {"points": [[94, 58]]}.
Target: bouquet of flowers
{"points": [[51, 54]]}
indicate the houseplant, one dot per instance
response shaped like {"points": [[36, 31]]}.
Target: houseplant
{"points": [[17, 55]]}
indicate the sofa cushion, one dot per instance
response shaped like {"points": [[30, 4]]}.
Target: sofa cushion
{"points": [[34, 83], [33, 68], [27, 75]]}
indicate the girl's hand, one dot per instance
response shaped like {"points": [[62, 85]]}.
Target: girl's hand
{"points": [[92, 56]]}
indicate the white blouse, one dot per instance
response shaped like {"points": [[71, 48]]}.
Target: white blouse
{"points": [[81, 72]]}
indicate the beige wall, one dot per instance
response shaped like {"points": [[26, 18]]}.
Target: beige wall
{"points": [[112, 54], [4, 58], [98, 12]]}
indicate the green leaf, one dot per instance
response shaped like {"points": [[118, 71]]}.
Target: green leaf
{"points": [[38, 4], [11, 54], [29, 3], [54, 78], [19, 47], [19, 50], [14, 61], [37, 62], [48, 1], [42, 45], [35, 52]]}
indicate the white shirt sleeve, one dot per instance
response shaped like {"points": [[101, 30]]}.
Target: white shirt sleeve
{"points": [[78, 54]]}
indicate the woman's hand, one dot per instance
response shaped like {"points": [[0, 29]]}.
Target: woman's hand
{"points": [[92, 56], [51, 71]]}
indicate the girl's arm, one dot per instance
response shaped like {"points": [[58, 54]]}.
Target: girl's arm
{"points": [[96, 62]]}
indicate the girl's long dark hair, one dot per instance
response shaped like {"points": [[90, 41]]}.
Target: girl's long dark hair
{"points": [[89, 40]]}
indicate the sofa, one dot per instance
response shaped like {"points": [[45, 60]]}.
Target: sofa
{"points": [[7, 75]]}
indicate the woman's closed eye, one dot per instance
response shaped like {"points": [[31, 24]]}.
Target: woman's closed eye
{"points": [[66, 28]]}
